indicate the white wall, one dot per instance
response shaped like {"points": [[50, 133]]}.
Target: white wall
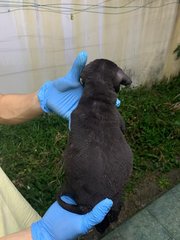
{"points": [[36, 46]]}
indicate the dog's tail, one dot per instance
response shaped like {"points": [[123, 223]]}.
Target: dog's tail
{"points": [[78, 209], [101, 227]]}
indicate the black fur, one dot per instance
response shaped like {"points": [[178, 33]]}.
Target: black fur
{"points": [[98, 160]]}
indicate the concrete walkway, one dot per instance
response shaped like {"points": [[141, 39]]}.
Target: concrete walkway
{"points": [[158, 221]]}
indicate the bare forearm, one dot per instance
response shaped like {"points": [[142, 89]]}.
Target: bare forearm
{"points": [[18, 108], [23, 235]]}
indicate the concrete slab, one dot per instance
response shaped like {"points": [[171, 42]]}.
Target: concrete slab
{"points": [[158, 221], [166, 210], [176, 191]]}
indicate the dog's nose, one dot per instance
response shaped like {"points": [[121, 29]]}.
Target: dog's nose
{"points": [[122, 78], [126, 81]]}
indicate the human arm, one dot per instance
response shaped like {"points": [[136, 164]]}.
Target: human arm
{"points": [[22, 235], [18, 108], [60, 96]]}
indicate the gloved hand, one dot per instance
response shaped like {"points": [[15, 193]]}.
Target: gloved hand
{"points": [[62, 95], [59, 224]]}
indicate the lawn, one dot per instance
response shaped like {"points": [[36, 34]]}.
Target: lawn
{"points": [[31, 153]]}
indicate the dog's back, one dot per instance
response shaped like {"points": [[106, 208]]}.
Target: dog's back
{"points": [[98, 160]]}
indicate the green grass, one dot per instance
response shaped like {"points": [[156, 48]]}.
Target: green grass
{"points": [[163, 182], [31, 153]]}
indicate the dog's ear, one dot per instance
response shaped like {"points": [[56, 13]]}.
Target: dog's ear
{"points": [[85, 73], [121, 79]]}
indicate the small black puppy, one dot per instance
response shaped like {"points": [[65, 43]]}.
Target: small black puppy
{"points": [[98, 160]]}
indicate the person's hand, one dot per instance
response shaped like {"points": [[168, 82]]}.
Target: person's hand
{"points": [[62, 95], [59, 224]]}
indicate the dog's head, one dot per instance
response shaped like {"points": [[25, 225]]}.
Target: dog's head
{"points": [[107, 70]]}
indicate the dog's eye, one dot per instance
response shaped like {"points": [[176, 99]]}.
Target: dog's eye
{"points": [[81, 81]]}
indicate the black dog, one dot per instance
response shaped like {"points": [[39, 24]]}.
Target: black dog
{"points": [[98, 160]]}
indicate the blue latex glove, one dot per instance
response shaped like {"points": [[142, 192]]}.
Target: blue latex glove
{"points": [[59, 224], [118, 103], [62, 95]]}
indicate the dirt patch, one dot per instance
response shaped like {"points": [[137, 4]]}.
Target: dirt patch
{"points": [[147, 191]]}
